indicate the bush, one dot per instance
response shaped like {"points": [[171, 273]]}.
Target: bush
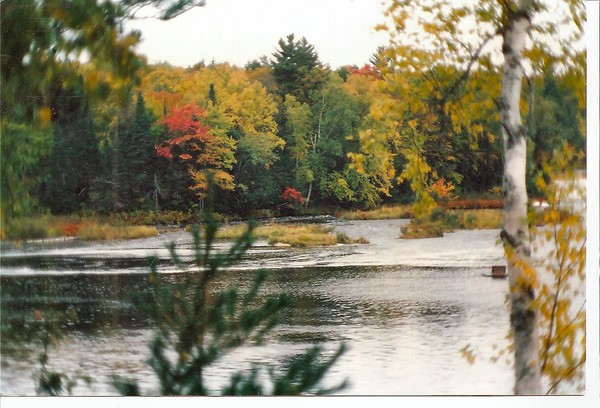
{"points": [[73, 226], [292, 197], [421, 228], [25, 229], [156, 218], [475, 203], [441, 190], [343, 238]]}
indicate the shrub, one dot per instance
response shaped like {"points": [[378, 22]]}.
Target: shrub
{"points": [[292, 197], [475, 203], [423, 230], [343, 238], [441, 190], [25, 229], [70, 229]]}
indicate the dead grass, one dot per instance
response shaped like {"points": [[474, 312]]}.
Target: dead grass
{"points": [[406, 211], [47, 226], [105, 232], [475, 203], [297, 235], [480, 219], [441, 221], [383, 213]]}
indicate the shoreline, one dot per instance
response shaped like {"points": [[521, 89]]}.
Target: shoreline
{"points": [[42, 228]]}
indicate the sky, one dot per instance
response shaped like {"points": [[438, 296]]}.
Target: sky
{"points": [[238, 31]]}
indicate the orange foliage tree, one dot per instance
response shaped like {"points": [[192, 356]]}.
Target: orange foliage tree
{"points": [[205, 153]]}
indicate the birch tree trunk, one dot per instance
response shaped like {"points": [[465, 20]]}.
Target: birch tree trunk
{"points": [[515, 235], [314, 140]]}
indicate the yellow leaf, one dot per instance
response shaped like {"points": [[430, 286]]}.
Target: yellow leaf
{"points": [[45, 115]]}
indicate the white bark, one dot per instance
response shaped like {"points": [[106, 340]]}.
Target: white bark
{"points": [[515, 234], [314, 140]]}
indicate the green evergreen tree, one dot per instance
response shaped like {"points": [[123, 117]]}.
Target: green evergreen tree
{"points": [[170, 182], [379, 59], [144, 146], [212, 96], [298, 73], [297, 68], [74, 161], [136, 152]]}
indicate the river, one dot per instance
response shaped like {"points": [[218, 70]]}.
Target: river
{"points": [[405, 309]]}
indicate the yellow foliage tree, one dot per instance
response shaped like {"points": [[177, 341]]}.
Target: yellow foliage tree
{"points": [[376, 138], [444, 42], [560, 283], [241, 109]]}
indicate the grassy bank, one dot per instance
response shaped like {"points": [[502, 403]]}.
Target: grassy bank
{"points": [[442, 220], [458, 214], [96, 229], [406, 211], [297, 235], [383, 213]]}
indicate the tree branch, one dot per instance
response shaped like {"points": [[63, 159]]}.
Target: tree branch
{"points": [[571, 370], [467, 71]]}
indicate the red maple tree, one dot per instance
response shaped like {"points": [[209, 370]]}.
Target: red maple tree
{"points": [[292, 196], [192, 141]]}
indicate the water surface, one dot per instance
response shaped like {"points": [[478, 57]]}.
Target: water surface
{"points": [[405, 308]]}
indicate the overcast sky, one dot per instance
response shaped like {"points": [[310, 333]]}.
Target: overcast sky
{"points": [[237, 31]]}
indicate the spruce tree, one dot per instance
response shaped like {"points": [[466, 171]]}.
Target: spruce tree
{"points": [[297, 68], [144, 147], [136, 152], [212, 96], [74, 162]]}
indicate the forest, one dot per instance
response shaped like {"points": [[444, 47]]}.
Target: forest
{"points": [[480, 106], [284, 134]]}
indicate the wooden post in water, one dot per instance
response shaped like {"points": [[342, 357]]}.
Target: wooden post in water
{"points": [[499, 271]]}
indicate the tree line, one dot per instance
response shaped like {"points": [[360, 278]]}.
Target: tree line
{"points": [[352, 137], [114, 134]]}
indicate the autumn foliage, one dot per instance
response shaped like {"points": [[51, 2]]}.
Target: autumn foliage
{"points": [[367, 70], [191, 141], [70, 229], [292, 196], [187, 133], [442, 190]]}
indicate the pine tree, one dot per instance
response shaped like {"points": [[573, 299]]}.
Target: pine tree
{"points": [[74, 161], [297, 69], [212, 96], [144, 143], [136, 152]]}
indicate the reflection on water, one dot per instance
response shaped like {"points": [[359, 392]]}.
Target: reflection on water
{"points": [[404, 326], [404, 308]]}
